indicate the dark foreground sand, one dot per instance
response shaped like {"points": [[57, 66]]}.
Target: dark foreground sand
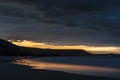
{"points": [[10, 71]]}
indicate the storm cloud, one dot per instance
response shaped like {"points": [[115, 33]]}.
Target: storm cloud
{"points": [[66, 22]]}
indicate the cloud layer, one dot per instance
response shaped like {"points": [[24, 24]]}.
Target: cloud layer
{"points": [[67, 22]]}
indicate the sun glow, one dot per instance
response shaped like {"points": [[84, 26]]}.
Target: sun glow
{"points": [[27, 43]]}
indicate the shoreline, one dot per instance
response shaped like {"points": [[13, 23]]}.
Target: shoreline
{"points": [[15, 72]]}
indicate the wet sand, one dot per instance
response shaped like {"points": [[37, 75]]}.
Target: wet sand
{"points": [[9, 71]]}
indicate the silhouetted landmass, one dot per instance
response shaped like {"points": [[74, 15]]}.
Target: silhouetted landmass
{"points": [[9, 49]]}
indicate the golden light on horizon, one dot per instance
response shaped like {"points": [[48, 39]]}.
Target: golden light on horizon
{"points": [[27, 43]]}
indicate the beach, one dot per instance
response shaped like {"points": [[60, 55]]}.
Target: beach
{"points": [[12, 71]]}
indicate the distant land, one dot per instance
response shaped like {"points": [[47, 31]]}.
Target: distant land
{"points": [[9, 49]]}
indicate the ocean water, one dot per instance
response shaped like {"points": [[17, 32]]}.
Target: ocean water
{"points": [[84, 65]]}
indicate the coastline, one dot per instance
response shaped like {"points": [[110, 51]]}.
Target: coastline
{"points": [[15, 72]]}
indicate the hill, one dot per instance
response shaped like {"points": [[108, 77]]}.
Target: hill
{"points": [[9, 49]]}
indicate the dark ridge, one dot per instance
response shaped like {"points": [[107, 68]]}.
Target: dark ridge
{"points": [[9, 49]]}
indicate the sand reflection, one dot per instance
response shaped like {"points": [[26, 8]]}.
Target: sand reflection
{"points": [[76, 69]]}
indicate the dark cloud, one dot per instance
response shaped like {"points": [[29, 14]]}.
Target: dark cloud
{"points": [[91, 22]]}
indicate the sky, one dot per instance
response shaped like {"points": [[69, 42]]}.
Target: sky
{"points": [[70, 23]]}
